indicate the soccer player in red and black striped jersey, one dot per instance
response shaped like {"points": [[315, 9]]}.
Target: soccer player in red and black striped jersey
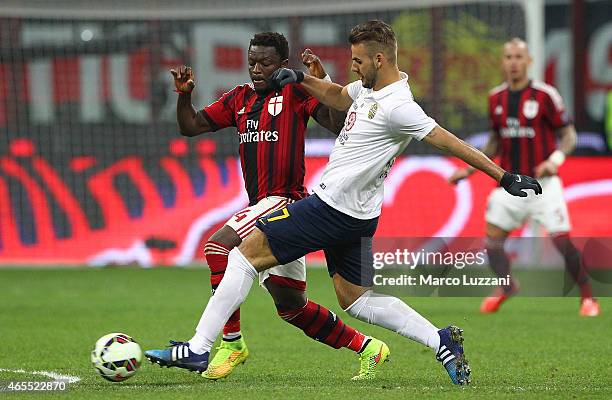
{"points": [[527, 117], [271, 124]]}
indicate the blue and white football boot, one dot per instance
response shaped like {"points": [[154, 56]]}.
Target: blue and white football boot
{"points": [[451, 355], [179, 355]]}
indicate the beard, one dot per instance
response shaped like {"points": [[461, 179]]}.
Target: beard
{"points": [[369, 79]]}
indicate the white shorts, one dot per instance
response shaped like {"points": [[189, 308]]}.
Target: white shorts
{"points": [[243, 222], [548, 209]]}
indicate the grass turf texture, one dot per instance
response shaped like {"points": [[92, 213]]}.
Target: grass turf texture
{"points": [[50, 319]]}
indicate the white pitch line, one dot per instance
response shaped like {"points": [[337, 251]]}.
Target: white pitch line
{"points": [[50, 374]]}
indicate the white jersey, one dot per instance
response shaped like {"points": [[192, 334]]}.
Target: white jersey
{"points": [[378, 127]]}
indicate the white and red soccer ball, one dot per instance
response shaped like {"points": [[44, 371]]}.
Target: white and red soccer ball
{"points": [[116, 357]]}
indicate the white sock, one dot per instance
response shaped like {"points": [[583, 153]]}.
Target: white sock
{"points": [[232, 335], [231, 292], [392, 313]]}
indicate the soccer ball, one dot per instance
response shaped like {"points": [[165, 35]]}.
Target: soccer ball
{"points": [[116, 357]]}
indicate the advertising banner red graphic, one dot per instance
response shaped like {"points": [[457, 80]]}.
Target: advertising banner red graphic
{"points": [[166, 224]]}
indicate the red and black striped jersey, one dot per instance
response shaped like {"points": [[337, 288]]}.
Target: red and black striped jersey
{"points": [[525, 121], [271, 129]]}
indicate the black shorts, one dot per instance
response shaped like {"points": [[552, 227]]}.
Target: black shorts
{"points": [[309, 225]]}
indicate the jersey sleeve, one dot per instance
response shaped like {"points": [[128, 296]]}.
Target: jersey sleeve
{"points": [[408, 118], [353, 89], [306, 104], [222, 113], [554, 109], [492, 120]]}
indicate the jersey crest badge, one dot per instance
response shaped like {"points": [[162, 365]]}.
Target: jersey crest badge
{"points": [[498, 110], [275, 105], [530, 109], [372, 111]]}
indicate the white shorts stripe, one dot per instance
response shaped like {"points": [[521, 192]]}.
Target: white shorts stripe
{"points": [[252, 221], [248, 227]]}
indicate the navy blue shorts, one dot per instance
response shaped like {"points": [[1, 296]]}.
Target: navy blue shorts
{"points": [[309, 225]]}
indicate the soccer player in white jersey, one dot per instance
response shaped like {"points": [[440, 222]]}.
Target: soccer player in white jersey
{"points": [[341, 217]]}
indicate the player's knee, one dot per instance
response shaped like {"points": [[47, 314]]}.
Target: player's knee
{"points": [[286, 298], [226, 237], [494, 232], [346, 292], [354, 306], [218, 246], [346, 299], [256, 250]]}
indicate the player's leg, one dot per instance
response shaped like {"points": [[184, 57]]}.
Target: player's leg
{"points": [[229, 295], [233, 350], [500, 264], [216, 251], [188, 355], [504, 214], [244, 262], [589, 307], [287, 285], [352, 271], [551, 211]]}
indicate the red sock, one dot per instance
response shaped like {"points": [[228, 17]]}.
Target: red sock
{"points": [[498, 261], [216, 256], [573, 263], [324, 326]]}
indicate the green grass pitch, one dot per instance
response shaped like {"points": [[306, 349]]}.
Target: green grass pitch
{"points": [[50, 319]]}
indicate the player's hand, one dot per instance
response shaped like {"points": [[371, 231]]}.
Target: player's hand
{"points": [[516, 184], [184, 80], [284, 76], [313, 63], [459, 175], [546, 168]]}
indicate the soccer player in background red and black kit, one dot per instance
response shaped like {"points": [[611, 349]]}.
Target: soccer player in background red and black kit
{"points": [[527, 117], [271, 124]]}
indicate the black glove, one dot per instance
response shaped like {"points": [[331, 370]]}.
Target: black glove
{"points": [[516, 184], [285, 76]]}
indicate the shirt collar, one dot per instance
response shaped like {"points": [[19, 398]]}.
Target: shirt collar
{"points": [[379, 94]]}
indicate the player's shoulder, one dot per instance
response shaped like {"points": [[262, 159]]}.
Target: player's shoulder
{"points": [[355, 88], [295, 90], [401, 99], [236, 90], [498, 89], [243, 88], [549, 90]]}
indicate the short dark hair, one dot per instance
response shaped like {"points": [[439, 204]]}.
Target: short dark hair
{"points": [[377, 33], [272, 39]]}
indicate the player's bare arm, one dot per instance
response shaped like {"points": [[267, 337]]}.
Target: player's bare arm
{"points": [[190, 121], [445, 141], [567, 143], [329, 93], [490, 150], [328, 117]]}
